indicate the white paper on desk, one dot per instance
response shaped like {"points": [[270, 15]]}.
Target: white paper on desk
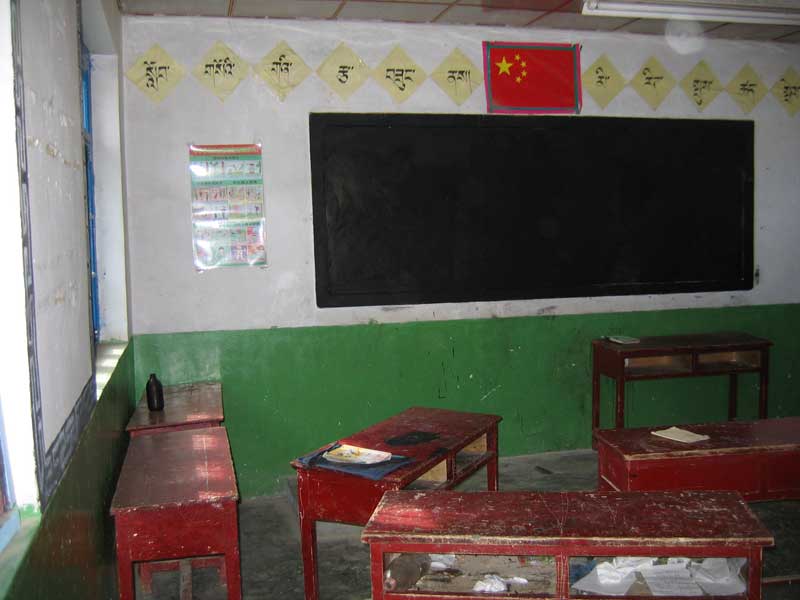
{"points": [[719, 576], [670, 580], [677, 434], [620, 567], [591, 583]]}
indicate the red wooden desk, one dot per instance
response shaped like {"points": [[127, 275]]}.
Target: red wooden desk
{"points": [[561, 526], [759, 459], [727, 353], [464, 443], [187, 406], [176, 497]]}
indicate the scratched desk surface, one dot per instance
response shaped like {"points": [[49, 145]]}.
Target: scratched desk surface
{"points": [[176, 467], [657, 518], [724, 438], [426, 435], [183, 405]]}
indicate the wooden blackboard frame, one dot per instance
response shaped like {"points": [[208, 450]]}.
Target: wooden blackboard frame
{"points": [[338, 140]]}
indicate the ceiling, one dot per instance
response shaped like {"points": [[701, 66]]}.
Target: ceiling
{"points": [[557, 14]]}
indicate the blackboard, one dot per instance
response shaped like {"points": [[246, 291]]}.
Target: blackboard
{"points": [[421, 208]]}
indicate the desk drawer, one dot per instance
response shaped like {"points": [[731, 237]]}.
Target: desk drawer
{"points": [[782, 474], [721, 472]]}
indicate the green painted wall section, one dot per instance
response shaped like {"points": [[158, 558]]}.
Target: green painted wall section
{"points": [[71, 554], [289, 391]]}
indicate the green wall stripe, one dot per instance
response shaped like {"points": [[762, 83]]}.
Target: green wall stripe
{"points": [[288, 391], [71, 554]]}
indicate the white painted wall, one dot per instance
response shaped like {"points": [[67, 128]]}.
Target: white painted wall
{"points": [[101, 26], [57, 205], [167, 295], [15, 397], [110, 228]]}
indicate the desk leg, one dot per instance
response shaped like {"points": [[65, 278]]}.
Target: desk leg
{"points": [[124, 568], [754, 574], [492, 474], [308, 543], [763, 385], [232, 572], [733, 395], [562, 576], [620, 416], [595, 392], [376, 570], [308, 538]]}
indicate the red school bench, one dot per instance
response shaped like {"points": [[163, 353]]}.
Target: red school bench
{"points": [[186, 406], [760, 459], [561, 526], [176, 498]]}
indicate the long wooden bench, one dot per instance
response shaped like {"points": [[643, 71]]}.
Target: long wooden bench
{"points": [[176, 498], [760, 459], [554, 528]]}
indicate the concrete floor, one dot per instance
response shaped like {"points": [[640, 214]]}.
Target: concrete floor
{"points": [[270, 548]]}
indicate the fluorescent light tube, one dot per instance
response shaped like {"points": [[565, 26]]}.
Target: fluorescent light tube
{"points": [[692, 12]]}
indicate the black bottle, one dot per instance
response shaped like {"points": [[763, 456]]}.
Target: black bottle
{"points": [[155, 393]]}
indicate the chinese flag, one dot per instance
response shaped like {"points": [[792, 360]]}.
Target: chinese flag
{"points": [[532, 78]]}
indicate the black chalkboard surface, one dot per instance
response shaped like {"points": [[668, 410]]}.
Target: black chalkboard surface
{"points": [[420, 208]]}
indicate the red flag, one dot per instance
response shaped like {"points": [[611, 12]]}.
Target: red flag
{"points": [[532, 78]]}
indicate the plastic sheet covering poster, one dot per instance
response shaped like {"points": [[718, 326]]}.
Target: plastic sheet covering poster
{"points": [[227, 205]]}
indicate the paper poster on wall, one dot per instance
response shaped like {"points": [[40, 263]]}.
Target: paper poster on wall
{"points": [[747, 89], [603, 81], [399, 75], [701, 85], [156, 73], [787, 91], [228, 226]]}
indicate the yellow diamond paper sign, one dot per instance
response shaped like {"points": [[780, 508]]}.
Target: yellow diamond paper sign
{"points": [[701, 85], [221, 70], [343, 71], [653, 82], [282, 70], [747, 89], [399, 75], [457, 76], [787, 91], [602, 81], [156, 73]]}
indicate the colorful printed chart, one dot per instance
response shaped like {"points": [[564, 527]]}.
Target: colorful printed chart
{"points": [[227, 205]]}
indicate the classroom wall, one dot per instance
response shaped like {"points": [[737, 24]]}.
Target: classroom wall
{"points": [[288, 391], [295, 376], [71, 555], [57, 207], [109, 218], [168, 295], [15, 397]]}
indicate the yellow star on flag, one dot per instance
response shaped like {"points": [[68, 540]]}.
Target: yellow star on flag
{"points": [[504, 66]]}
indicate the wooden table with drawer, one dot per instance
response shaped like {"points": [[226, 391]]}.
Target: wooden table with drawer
{"points": [[560, 526], [760, 459], [695, 355], [453, 446]]}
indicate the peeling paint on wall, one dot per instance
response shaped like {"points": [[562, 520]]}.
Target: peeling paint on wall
{"points": [[57, 208]]}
